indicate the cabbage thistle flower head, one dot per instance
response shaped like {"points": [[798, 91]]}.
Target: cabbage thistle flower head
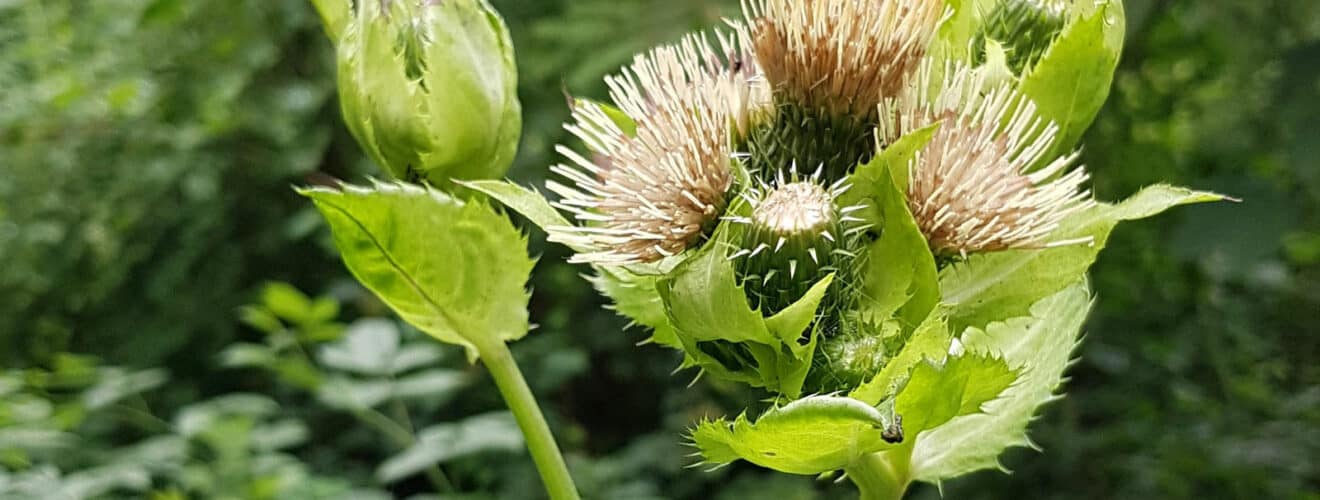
{"points": [[828, 64], [658, 182], [984, 182], [795, 235]]}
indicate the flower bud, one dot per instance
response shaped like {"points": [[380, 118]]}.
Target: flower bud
{"points": [[429, 88], [1024, 28], [795, 236]]}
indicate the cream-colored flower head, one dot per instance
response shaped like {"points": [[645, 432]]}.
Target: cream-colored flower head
{"points": [[651, 194], [982, 183], [840, 56]]}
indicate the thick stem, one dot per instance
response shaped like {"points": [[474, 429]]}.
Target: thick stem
{"points": [[877, 478], [541, 444]]}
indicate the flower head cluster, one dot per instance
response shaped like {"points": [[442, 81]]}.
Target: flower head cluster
{"points": [[822, 85]]}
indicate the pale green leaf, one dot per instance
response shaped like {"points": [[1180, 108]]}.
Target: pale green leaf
{"points": [[1042, 345], [930, 341], [527, 202], [953, 42], [996, 286], [809, 436], [454, 270], [789, 324], [900, 274], [705, 303], [1072, 79], [938, 392]]}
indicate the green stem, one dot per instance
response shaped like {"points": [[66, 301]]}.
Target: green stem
{"points": [[541, 444], [881, 476]]}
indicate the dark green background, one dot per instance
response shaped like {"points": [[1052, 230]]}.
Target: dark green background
{"points": [[147, 148]]}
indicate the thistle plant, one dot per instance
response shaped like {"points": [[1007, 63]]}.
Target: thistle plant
{"points": [[872, 210], [427, 88]]}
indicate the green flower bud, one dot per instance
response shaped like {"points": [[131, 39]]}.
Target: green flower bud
{"points": [[795, 236], [428, 87], [1024, 29]]}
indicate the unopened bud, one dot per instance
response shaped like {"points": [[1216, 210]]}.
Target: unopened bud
{"points": [[429, 88]]}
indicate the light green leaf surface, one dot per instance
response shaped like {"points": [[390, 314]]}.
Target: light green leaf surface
{"points": [[1041, 345], [527, 202], [454, 270], [1072, 79], [996, 286], [705, 302], [930, 341], [812, 435], [900, 275], [938, 392]]}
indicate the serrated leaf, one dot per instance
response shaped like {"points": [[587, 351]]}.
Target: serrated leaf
{"points": [[635, 297], [704, 301], [454, 270], [443, 442], [1001, 285], [1072, 79], [1041, 344], [527, 202], [938, 392], [812, 435], [721, 333], [789, 324], [930, 341], [900, 274]]}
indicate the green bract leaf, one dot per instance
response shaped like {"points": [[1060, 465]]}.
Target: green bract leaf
{"points": [[930, 342], [1071, 81], [454, 270], [722, 334], [997, 286], [900, 275], [705, 303], [954, 41], [1041, 345], [809, 436], [938, 392]]}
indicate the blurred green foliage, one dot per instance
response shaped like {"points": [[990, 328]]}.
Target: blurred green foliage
{"points": [[146, 153]]}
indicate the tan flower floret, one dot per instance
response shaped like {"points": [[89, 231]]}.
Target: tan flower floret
{"points": [[652, 194], [975, 187], [840, 56]]}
